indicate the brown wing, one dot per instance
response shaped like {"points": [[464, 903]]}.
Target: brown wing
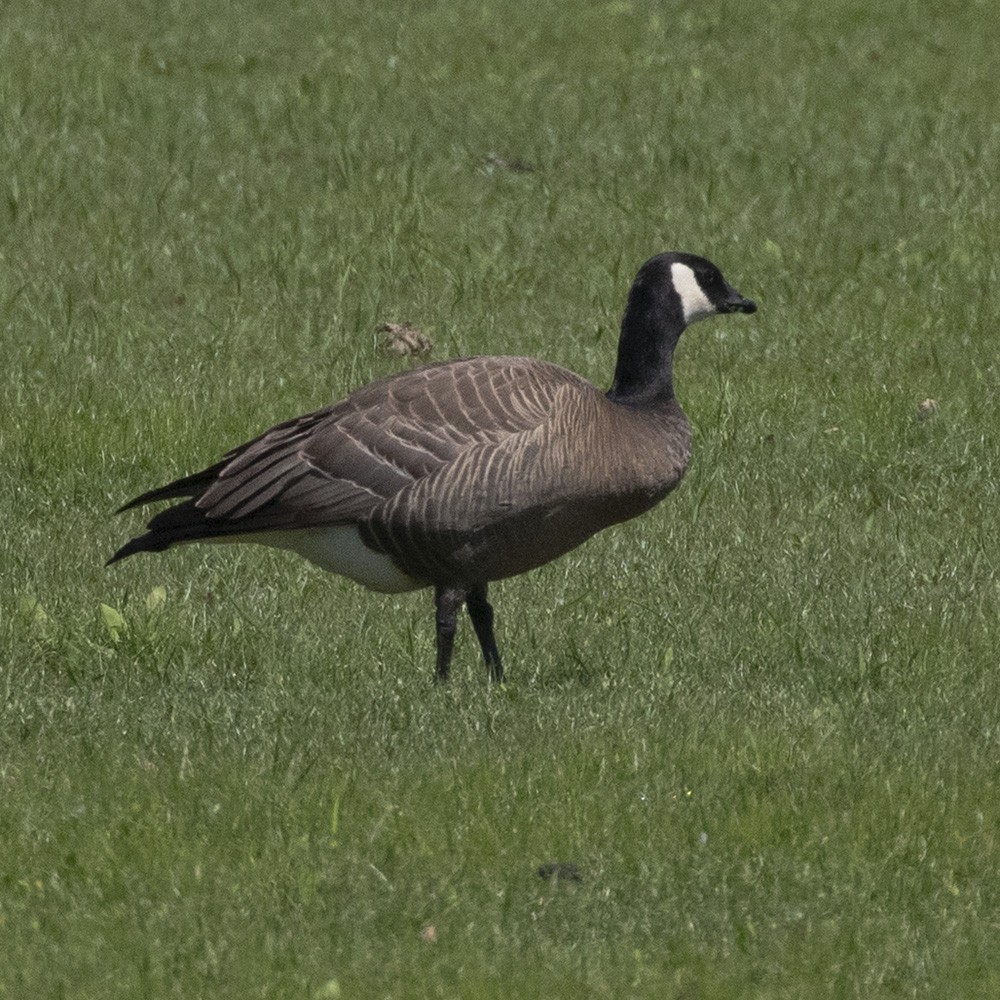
{"points": [[338, 464]]}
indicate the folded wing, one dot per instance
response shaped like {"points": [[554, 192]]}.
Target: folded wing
{"points": [[338, 464]]}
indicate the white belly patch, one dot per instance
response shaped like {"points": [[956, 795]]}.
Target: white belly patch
{"points": [[339, 549]]}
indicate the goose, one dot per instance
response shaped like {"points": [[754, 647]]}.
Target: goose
{"points": [[459, 473]]}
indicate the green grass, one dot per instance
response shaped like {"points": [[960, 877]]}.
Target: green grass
{"points": [[763, 721]]}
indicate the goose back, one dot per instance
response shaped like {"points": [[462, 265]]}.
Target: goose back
{"points": [[473, 470]]}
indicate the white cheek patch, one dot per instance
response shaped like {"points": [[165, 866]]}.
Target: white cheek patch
{"points": [[694, 301]]}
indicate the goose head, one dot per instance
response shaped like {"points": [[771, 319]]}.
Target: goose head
{"points": [[670, 292]]}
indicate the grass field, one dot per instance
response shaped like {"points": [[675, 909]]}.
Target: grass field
{"points": [[763, 721]]}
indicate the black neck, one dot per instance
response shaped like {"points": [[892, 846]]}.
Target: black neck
{"points": [[651, 327]]}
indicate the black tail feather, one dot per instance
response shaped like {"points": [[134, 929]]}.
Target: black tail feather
{"points": [[188, 486], [186, 522], [183, 522], [144, 543]]}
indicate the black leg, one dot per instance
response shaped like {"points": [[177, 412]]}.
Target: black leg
{"points": [[447, 601], [481, 613]]}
